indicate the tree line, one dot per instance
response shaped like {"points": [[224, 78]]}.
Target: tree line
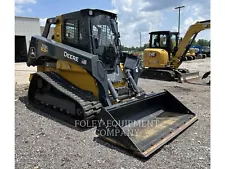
{"points": [[200, 42]]}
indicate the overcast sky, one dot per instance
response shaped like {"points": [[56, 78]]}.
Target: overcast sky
{"points": [[134, 16]]}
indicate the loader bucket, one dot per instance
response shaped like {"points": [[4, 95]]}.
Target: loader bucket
{"points": [[144, 125]]}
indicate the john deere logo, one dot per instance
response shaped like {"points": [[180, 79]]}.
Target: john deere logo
{"points": [[70, 56], [32, 52]]}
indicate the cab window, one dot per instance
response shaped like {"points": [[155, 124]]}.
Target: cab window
{"points": [[163, 40], [159, 40]]}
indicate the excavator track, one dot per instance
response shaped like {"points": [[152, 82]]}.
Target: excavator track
{"points": [[67, 102]]}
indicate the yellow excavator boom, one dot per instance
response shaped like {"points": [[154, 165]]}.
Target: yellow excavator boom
{"points": [[193, 30]]}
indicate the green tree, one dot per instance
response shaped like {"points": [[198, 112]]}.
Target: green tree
{"points": [[194, 42], [203, 42]]}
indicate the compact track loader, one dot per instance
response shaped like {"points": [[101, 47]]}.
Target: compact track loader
{"points": [[166, 52], [79, 74]]}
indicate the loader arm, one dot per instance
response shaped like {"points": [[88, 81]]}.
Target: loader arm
{"points": [[184, 46]]}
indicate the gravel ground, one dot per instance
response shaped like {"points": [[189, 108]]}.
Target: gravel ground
{"points": [[42, 142]]}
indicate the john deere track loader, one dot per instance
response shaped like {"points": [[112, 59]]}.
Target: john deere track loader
{"points": [[165, 54], [79, 75]]}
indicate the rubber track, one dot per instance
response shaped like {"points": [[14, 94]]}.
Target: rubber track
{"points": [[85, 99]]}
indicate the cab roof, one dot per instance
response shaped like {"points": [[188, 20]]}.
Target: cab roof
{"points": [[163, 32], [85, 12]]}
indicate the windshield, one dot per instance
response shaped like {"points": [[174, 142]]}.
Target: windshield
{"points": [[103, 29], [159, 41], [105, 39]]}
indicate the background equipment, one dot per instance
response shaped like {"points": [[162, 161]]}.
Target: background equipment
{"points": [[165, 54], [201, 51], [190, 55], [79, 75]]}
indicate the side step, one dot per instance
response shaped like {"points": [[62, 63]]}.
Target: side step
{"points": [[144, 125]]}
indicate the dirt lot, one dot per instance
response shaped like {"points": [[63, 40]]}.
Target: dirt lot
{"points": [[22, 72], [45, 143]]}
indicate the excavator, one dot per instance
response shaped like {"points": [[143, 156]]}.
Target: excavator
{"points": [[162, 59], [79, 76]]}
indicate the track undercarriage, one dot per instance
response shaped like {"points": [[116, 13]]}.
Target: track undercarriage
{"points": [[48, 91]]}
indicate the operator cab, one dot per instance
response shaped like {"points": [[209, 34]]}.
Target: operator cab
{"points": [[164, 40], [92, 30], [95, 31]]}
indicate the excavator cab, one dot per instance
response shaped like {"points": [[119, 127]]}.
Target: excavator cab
{"points": [[164, 40], [162, 48]]}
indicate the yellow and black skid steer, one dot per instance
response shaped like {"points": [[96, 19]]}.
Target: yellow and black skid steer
{"points": [[79, 73]]}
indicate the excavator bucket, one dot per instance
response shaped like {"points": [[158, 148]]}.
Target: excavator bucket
{"points": [[144, 125]]}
